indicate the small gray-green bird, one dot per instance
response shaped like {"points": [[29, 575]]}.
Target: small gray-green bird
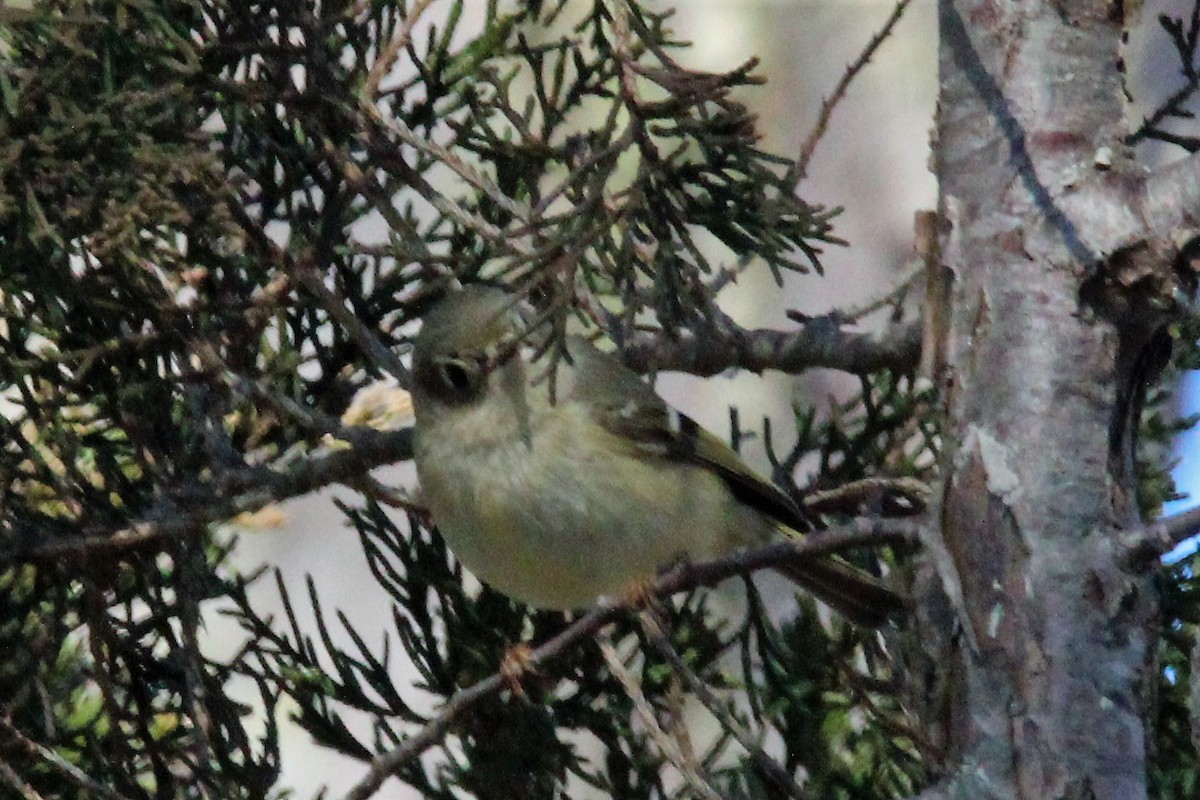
{"points": [[559, 499]]}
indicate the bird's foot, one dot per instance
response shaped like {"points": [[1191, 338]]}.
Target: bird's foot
{"points": [[516, 664], [639, 594]]}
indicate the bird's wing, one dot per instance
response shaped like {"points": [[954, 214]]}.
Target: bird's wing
{"points": [[629, 408]]}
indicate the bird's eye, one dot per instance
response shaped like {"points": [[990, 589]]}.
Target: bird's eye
{"points": [[460, 376]]}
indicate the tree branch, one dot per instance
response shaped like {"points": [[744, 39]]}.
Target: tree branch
{"points": [[386, 58], [818, 343], [857, 533], [13, 778], [1145, 545], [240, 491]]}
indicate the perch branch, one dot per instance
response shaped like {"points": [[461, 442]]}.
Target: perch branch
{"points": [[857, 533]]}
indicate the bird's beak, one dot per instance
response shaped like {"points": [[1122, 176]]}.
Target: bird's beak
{"points": [[512, 384]]}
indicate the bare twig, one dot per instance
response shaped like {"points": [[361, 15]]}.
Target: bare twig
{"points": [[387, 57], [857, 533], [449, 158], [13, 737], [11, 777], [391, 496], [366, 338], [909, 274], [818, 343], [390, 762], [653, 624], [384, 154], [870, 495], [670, 749], [800, 170]]}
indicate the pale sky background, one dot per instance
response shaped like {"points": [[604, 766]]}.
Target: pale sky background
{"points": [[873, 161]]}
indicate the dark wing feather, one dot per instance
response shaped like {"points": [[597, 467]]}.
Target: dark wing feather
{"points": [[629, 408]]}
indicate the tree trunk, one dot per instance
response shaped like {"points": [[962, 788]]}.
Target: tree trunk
{"points": [[1057, 641]]}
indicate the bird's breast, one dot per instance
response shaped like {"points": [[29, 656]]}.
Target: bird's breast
{"points": [[569, 515]]}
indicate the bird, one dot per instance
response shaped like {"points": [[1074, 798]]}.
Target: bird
{"points": [[560, 492]]}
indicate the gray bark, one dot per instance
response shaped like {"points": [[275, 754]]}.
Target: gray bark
{"points": [[1047, 331]]}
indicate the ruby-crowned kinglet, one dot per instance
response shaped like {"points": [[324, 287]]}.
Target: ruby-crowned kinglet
{"points": [[557, 496]]}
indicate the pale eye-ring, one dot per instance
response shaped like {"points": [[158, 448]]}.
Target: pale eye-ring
{"points": [[460, 375]]}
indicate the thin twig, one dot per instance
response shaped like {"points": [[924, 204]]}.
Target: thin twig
{"points": [[387, 764], [449, 158], [910, 273], [366, 338], [800, 170], [862, 688], [857, 533], [391, 496], [654, 626], [384, 153], [14, 779], [310, 418], [54, 761], [670, 749], [869, 494], [308, 277], [402, 230], [387, 57]]}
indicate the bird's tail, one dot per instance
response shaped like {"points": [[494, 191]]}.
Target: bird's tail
{"points": [[854, 594]]}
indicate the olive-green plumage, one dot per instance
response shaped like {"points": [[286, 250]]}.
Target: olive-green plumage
{"points": [[558, 501]]}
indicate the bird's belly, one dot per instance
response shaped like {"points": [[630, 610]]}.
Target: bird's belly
{"points": [[559, 524]]}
